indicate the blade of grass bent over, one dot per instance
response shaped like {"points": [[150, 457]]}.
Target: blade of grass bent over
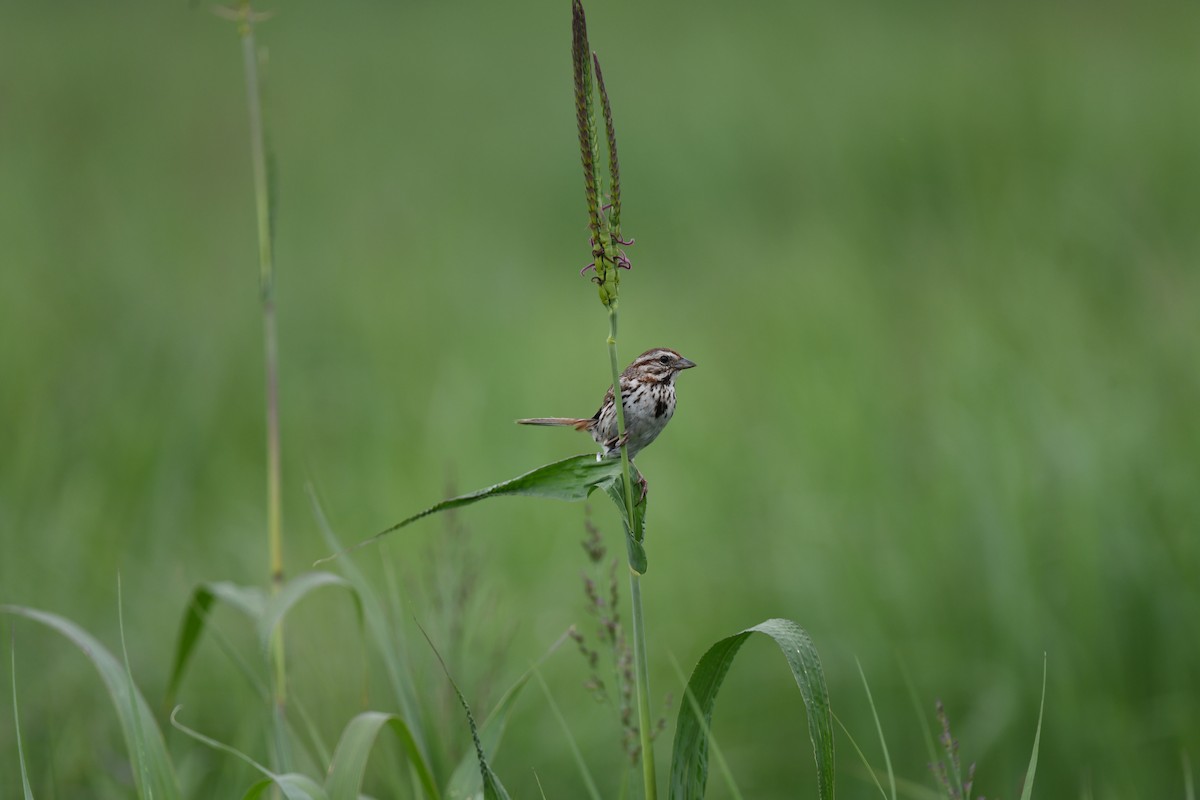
{"points": [[126, 699], [249, 600], [722, 764], [349, 763], [689, 757], [293, 592]]}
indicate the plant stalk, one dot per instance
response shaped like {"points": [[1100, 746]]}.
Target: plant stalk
{"points": [[640, 661], [262, 204]]}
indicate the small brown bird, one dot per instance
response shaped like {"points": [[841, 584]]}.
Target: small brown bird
{"points": [[648, 397]]}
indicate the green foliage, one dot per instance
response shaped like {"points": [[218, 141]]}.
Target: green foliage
{"points": [[572, 478], [689, 758], [143, 739]]}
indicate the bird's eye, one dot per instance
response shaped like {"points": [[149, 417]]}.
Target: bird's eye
{"points": [[664, 359]]}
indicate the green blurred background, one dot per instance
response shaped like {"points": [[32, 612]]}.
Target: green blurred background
{"points": [[937, 262]]}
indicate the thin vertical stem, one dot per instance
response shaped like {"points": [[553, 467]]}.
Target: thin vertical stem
{"points": [[262, 204], [640, 661]]}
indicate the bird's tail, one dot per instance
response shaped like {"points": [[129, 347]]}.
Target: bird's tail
{"points": [[565, 422]]}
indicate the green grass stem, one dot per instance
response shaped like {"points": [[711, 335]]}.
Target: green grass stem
{"points": [[640, 660], [266, 264]]}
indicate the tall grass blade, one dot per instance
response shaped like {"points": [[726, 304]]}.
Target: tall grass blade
{"points": [[887, 759], [465, 782], [28, 790], [1027, 789], [249, 600], [492, 788], [570, 479], [1189, 785], [293, 786], [354, 749], [689, 758], [379, 627], [919, 708], [132, 709], [144, 786], [580, 763], [861, 756]]}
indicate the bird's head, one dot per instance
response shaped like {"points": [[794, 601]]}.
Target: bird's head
{"points": [[658, 365]]}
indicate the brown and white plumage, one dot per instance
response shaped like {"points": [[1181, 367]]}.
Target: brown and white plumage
{"points": [[647, 396]]}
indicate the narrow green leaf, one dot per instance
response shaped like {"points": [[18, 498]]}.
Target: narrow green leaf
{"points": [[919, 708], [635, 530], [689, 759], [144, 784], [1189, 786], [465, 781], [570, 479], [132, 710], [861, 756], [293, 592], [1027, 789], [580, 763], [887, 759], [379, 628], [354, 749], [248, 599], [17, 723], [492, 788], [293, 786]]}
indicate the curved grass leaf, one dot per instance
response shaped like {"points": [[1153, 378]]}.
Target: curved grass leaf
{"points": [[1027, 790], [292, 786], [689, 758], [250, 600], [293, 592], [570, 479], [148, 753], [354, 749]]}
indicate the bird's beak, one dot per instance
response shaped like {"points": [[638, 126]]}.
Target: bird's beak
{"points": [[683, 363]]}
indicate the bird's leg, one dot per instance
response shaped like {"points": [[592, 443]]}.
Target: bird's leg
{"points": [[645, 488], [616, 443]]}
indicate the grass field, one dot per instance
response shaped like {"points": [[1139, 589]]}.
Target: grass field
{"points": [[937, 263]]}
